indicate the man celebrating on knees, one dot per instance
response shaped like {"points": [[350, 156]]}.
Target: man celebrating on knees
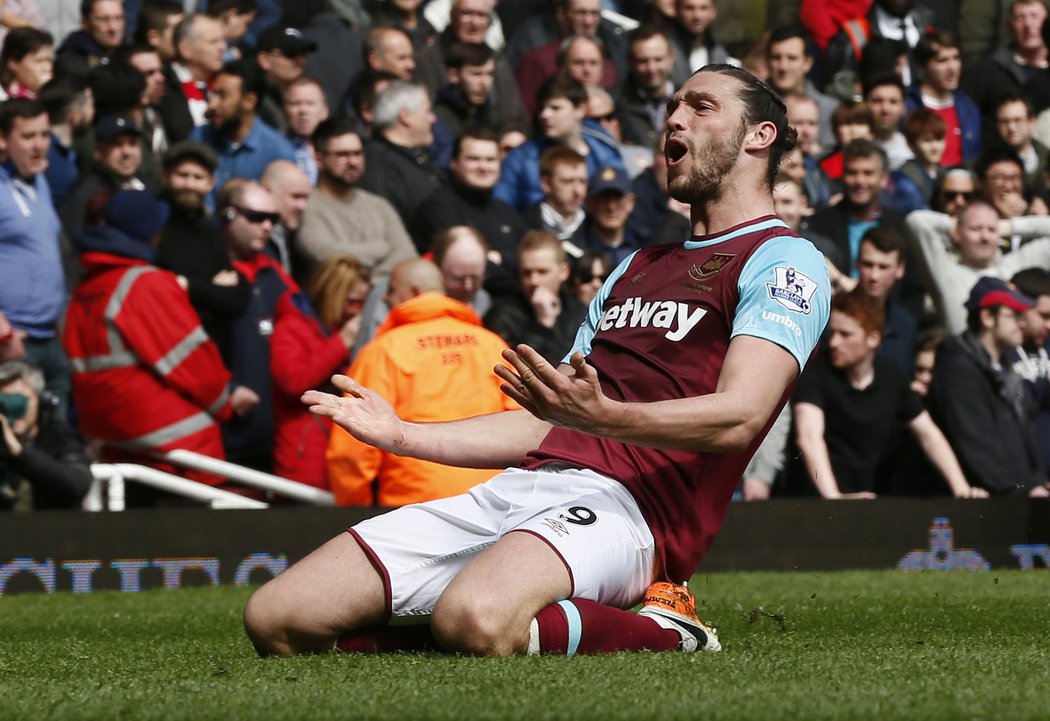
{"points": [[625, 457]]}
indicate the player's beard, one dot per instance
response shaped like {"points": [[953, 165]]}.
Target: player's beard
{"points": [[711, 163]]}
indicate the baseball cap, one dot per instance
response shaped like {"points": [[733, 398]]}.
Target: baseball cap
{"points": [[289, 41], [609, 177], [111, 126], [989, 292], [191, 150]]}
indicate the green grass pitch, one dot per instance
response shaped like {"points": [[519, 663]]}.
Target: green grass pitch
{"points": [[847, 645]]}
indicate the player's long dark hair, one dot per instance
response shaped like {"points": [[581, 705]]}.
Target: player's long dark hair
{"points": [[762, 104]]}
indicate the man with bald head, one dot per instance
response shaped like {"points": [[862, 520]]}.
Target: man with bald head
{"points": [[976, 236], [248, 214], [390, 50], [432, 361], [461, 253], [291, 189]]}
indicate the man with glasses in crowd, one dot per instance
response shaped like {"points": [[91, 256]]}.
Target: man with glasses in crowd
{"points": [[341, 217]]}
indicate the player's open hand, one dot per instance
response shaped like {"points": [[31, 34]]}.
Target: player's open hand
{"points": [[362, 412], [571, 400]]}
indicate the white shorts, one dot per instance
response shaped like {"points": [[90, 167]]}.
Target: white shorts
{"points": [[589, 520]]}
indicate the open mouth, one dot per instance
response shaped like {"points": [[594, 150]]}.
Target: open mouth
{"points": [[675, 150]]}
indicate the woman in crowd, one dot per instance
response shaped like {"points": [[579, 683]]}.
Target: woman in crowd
{"points": [[305, 350], [26, 62], [589, 271]]}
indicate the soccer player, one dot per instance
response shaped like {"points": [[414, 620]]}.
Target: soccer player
{"points": [[626, 455]]}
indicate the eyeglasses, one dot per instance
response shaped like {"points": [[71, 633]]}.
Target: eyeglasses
{"points": [[966, 195], [607, 118], [473, 278], [257, 216], [344, 154], [587, 276]]}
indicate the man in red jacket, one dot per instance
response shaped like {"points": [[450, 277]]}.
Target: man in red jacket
{"points": [[146, 378]]}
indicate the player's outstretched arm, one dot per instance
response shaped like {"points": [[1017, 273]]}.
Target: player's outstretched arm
{"points": [[493, 441], [754, 377]]}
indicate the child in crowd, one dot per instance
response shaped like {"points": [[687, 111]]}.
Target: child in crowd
{"points": [[851, 121], [911, 185]]}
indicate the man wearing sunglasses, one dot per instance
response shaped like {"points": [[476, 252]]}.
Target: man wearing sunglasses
{"points": [[957, 187], [248, 214]]}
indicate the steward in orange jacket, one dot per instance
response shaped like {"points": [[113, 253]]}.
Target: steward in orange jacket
{"points": [[146, 377], [432, 361]]}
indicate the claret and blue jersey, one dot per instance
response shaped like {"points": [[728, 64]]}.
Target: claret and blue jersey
{"points": [[779, 289], [659, 329]]}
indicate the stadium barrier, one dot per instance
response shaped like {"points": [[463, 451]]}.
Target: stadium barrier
{"points": [[107, 489], [139, 549]]}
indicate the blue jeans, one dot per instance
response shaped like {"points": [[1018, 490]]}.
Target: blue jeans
{"points": [[47, 355]]}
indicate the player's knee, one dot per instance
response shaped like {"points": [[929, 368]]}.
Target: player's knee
{"points": [[474, 626], [262, 624]]}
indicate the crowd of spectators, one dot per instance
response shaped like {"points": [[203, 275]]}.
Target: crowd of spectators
{"points": [[207, 208]]}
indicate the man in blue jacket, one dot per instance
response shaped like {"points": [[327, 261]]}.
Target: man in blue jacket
{"points": [[563, 106], [32, 283]]}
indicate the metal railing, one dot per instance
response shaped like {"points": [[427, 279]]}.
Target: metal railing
{"points": [[107, 489], [249, 477]]}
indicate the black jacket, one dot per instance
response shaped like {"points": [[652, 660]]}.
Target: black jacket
{"points": [[636, 126], [54, 464], [191, 246], [499, 224], [339, 56], [981, 411], [175, 109], [403, 176], [78, 54], [452, 108], [512, 319]]}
